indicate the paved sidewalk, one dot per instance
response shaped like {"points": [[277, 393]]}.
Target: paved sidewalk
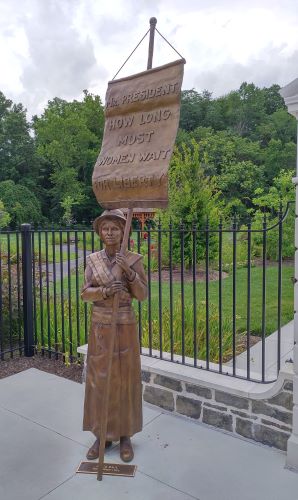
{"points": [[41, 446], [271, 343], [72, 264]]}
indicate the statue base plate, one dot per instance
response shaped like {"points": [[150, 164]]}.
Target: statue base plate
{"points": [[108, 469]]}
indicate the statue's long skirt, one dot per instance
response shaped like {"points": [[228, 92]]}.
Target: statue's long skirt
{"points": [[125, 394]]}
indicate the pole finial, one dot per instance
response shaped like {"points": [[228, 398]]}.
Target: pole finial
{"points": [[153, 22]]}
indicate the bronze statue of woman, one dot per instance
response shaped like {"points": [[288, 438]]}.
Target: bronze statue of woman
{"points": [[125, 396]]}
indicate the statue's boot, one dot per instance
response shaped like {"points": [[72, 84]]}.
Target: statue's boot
{"points": [[92, 453], [126, 451]]}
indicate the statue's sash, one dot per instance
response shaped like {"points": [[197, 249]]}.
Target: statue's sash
{"points": [[103, 275], [100, 270]]}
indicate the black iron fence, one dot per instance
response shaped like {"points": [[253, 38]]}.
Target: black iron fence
{"points": [[218, 294]]}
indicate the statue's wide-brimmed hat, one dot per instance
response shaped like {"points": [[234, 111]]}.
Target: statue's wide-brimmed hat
{"points": [[115, 214]]}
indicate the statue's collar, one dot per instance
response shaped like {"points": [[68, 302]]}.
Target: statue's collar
{"points": [[106, 257]]}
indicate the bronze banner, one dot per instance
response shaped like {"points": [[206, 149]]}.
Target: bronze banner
{"points": [[141, 121]]}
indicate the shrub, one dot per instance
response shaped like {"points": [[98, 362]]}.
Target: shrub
{"points": [[21, 204], [269, 204], [12, 324], [4, 216], [193, 197]]}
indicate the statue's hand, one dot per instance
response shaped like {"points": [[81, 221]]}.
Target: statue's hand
{"points": [[122, 262], [116, 286]]}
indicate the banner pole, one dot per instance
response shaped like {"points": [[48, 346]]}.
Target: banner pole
{"points": [[153, 22], [104, 419]]}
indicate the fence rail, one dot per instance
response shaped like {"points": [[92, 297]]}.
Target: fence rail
{"points": [[214, 295]]}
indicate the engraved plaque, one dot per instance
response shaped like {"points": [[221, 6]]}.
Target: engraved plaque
{"points": [[141, 121], [108, 469]]}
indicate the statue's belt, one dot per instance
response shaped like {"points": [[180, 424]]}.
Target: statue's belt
{"points": [[103, 305], [125, 316]]}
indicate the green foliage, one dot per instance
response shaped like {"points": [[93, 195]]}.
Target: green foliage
{"points": [[188, 313], [67, 327], [244, 139], [278, 157], [235, 163], [194, 107], [221, 149], [21, 204], [192, 198], [238, 182], [68, 137], [269, 203], [241, 111], [280, 125], [11, 312], [67, 191], [18, 159], [4, 216], [67, 203]]}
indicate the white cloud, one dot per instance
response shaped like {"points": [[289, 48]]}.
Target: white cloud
{"points": [[61, 62], [59, 47]]}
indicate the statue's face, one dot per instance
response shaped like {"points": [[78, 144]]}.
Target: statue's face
{"points": [[111, 233]]}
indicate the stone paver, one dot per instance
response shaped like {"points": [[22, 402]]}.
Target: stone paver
{"points": [[42, 444]]}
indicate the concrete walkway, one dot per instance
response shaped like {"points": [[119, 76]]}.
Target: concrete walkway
{"points": [[271, 343], [41, 446]]}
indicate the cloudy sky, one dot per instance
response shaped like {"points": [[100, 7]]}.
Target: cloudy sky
{"points": [[58, 48]]}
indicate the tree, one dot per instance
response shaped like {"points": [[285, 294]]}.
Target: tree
{"points": [[241, 142], [68, 137], [194, 109], [252, 158], [67, 204], [193, 197], [273, 101], [18, 160], [280, 125], [241, 111], [238, 183], [278, 157], [246, 109], [281, 192], [21, 204], [66, 187]]}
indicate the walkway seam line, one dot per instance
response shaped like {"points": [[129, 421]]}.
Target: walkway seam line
{"points": [[58, 486], [43, 426], [169, 485]]}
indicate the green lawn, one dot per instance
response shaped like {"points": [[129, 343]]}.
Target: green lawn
{"points": [[53, 241], [69, 330], [76, 329], [38, 242]]}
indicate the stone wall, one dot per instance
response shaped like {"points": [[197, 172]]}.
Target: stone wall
{"points": [[260, 412], [266, 420]]}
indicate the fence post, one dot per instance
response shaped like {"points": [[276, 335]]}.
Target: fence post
{"points": [[290, 94], [27, 290]]}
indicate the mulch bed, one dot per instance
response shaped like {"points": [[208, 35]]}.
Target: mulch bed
{"points": [[73, 371], [188, 275]]}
